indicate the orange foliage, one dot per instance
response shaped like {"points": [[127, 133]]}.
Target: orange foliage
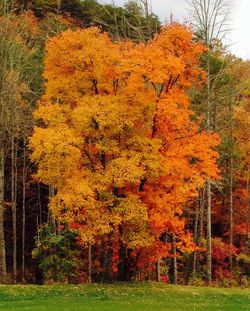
{"points": [[118, 141]]}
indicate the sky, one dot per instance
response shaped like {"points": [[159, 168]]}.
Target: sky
{"points": [[240, 20]]}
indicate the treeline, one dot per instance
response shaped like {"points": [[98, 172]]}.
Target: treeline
{"points": [[141, 153], [133, 21]]}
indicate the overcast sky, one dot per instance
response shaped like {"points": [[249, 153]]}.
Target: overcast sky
{"points": [[240, 20]]}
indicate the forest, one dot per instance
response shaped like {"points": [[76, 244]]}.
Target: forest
{"points": [[124, 145]]}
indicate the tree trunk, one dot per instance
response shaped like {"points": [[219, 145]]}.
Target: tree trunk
{"points": [[2, 240], [39, 207], [158, 269], [122, 266], [90, 263], [173, 269], [23, 209], [175, 259], [209, 234], [231, 214], [51, 218], [209, 194], [202, 207], [108, 261], [231, 209], [196, 239], [248, 201], [13, 200], [59, 3], [58, 227], [147, 12]]}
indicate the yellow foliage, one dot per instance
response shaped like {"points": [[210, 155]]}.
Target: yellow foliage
{"points": [[117, 140]]}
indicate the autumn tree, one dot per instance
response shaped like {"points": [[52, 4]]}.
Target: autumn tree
{"points": [[242, 133], [210, 20], [16, 77], [118, 142]]}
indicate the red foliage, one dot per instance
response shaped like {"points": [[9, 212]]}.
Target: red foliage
{"points": [[221, 252]]}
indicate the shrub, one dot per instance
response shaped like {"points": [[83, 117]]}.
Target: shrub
{"points": [[58, 255]]}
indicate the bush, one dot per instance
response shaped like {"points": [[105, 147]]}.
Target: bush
{"points": [[58, 255]]}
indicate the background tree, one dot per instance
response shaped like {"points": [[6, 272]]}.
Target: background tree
{"points": [[210, 20]]}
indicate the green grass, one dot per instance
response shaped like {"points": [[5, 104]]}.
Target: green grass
{"points": [[121, 297]]}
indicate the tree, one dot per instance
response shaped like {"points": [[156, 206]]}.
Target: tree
{"points": [[118, 134], [210, 21], [16, 55], [242, 134]]}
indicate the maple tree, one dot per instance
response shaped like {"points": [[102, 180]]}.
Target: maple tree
{"points": [[221, 253], [118, 141]]}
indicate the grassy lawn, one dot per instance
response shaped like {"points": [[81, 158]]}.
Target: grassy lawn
{"points": [[121, 297]]}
